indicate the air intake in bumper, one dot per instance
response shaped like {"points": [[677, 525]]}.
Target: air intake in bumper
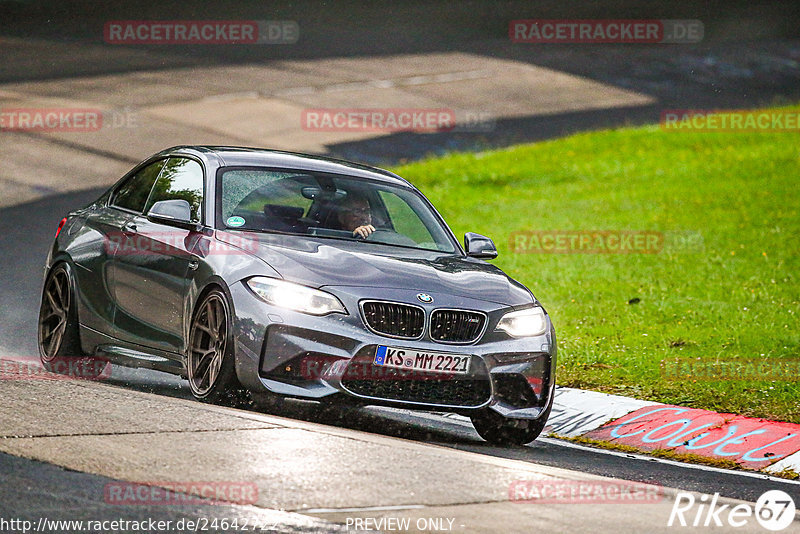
{"points": [[363, 378]]}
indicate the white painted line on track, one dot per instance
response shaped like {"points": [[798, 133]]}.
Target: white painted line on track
{"points": [[790, 462], [577, 411]]}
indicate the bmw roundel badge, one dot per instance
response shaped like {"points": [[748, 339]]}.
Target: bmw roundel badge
{"points": [[424, 297]]}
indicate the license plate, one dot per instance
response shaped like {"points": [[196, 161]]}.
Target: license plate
{"points": [[417, 360]]}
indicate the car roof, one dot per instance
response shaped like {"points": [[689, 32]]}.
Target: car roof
{"points": [[261, 157]]}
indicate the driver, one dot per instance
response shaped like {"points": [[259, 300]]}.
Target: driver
{"points": [[355, 214]]}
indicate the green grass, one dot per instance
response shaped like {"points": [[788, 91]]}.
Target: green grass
{"points": [[734, 297]]}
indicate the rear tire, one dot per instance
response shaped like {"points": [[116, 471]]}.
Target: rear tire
{"points": [[57, 333], [500, 430], [210, 359]]}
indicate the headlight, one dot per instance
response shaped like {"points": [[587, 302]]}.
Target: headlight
{"points": [[295, 297], [524, 323]]}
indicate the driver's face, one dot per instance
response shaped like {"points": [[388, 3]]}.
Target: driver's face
{"points": [[355, 213]]}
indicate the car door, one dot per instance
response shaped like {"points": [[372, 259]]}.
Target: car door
{"points": [[93, 249], [152, 269]]}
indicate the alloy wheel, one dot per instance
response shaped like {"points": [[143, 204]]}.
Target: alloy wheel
{"points": [[209, 337], [54, 314]]}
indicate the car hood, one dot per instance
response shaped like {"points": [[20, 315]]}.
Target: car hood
{"points": [[330, 262]]}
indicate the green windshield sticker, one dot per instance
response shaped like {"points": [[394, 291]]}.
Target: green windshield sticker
{"points": [[235, 221]]}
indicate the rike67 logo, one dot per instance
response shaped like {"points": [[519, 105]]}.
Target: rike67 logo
{"points": [[774, 510]]}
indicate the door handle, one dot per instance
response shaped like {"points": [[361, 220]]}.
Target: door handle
{"points": [[129, 228]]}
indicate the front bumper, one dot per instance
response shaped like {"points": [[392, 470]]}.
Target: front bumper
{"points": [[294, 354]]}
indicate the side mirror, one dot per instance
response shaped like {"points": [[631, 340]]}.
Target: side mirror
{"points": [[174, 212], [479, 246]]}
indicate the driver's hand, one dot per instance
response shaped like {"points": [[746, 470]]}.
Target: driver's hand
{"points": [[364, 231]]}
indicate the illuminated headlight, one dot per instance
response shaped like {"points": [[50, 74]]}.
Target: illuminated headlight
{"points": [[295, 297], [524, 323]]}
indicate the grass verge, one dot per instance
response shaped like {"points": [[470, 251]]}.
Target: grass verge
{"points": [[723, 287]]}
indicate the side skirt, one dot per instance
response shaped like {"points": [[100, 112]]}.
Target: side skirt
{"points": [[129, 355]]}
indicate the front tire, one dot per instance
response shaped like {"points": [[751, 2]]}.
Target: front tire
{"points": [[210, 359], [500, 430]]}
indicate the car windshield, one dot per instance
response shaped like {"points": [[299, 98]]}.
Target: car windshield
{"points": [[330, 206]]}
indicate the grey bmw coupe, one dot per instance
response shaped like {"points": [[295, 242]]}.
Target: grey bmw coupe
{"points": [[294, 275]]}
